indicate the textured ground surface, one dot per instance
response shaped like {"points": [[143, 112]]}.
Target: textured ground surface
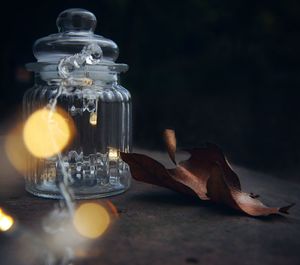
{"points": [[157, 226]]}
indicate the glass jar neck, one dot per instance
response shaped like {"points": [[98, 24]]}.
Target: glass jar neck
{"points": [[78, 78]]}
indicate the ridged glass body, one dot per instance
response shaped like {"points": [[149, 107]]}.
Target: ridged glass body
{"points": [[102, 119]]}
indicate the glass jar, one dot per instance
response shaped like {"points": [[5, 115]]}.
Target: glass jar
{"points": [[76, 72]]}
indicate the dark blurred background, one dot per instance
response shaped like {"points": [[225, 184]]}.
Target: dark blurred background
{"points": [[220, 71]]}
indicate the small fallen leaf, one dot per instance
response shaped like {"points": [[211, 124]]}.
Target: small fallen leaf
{"points": [[206, 174]]}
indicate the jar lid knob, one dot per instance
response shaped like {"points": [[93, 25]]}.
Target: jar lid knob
{"points": [[76, 33], [76, 19]]}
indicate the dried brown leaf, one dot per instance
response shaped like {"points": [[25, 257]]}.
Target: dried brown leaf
{"points": [[195, 171], [148, 170], [221, 192], [206, 173]]}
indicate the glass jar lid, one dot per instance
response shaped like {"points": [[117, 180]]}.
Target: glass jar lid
{"points": [[76, 32]]}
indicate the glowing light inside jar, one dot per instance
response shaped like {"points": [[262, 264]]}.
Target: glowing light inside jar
{"points": [[113, 153], [93, 118]]}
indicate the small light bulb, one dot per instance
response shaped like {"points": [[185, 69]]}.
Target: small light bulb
{"points": [[87, 81], [93, 118], [113, 153]]}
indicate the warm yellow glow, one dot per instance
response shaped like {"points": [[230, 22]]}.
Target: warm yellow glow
{"points": [[87, 81], [6, 221], [16, 151], [91, 220], [93, 118], [46, 134], [113, 153]]}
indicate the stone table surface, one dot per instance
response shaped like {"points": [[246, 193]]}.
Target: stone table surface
{"points": [[158, 226]]}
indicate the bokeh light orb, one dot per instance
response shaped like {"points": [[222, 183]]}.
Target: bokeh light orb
{"points": [[6, 221], [91, 220], [47, 133], [16, 150]]}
